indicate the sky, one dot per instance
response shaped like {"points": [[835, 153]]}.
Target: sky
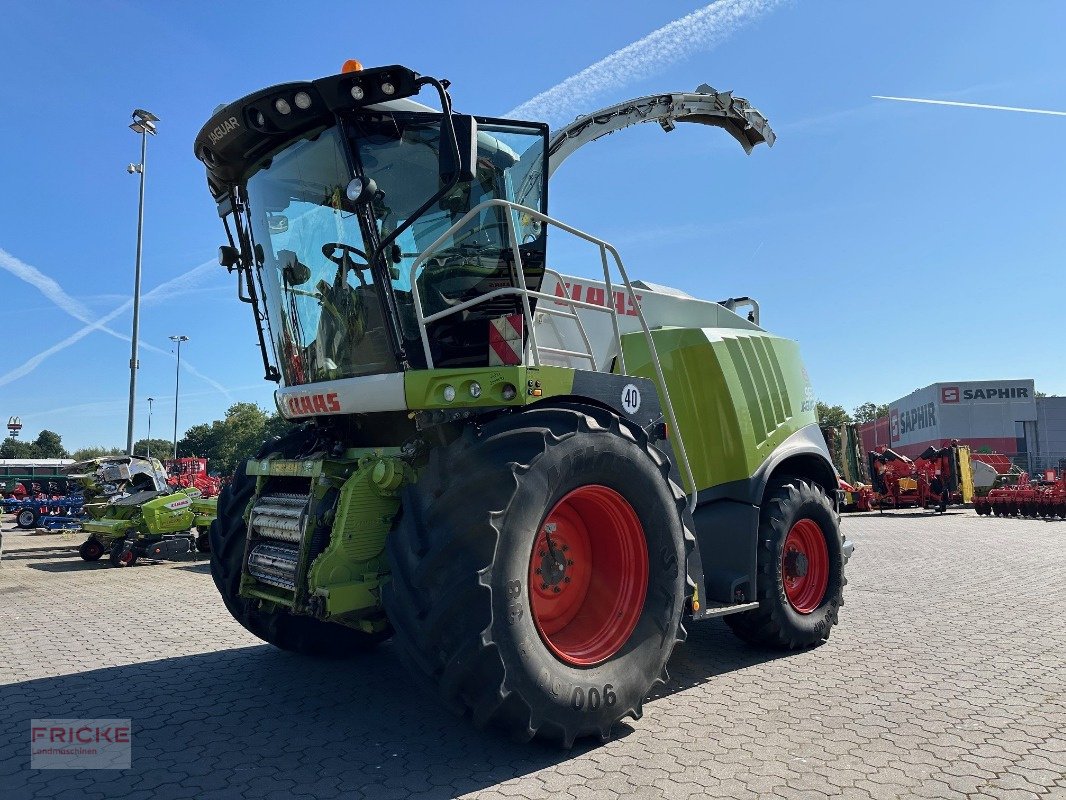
{"points": [[899, 243]]}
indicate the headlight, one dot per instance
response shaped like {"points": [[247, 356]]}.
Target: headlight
{"points": [[475, 390], [302, 100], [449, 393]]}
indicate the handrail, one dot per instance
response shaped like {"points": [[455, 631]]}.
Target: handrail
{"points": [[523, 291]]}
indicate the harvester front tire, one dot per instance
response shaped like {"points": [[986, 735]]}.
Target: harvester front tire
{"points": [[798, 533], [469, 600], [296, 633]]}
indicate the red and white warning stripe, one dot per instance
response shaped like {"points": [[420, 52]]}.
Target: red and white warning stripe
{"points": [[506, 340]]}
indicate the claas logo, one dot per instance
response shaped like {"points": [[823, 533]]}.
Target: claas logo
{"points": [[303, 404]]}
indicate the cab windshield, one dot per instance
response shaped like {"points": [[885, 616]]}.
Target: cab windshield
{"points": [[332, 312]]}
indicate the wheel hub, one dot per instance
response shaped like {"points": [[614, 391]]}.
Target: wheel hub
{"points": [[588, 575], [553, 561], [796, 564], [805, 566]]}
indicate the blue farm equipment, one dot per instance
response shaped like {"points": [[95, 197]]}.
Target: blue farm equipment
{"points": [[51, 513]]}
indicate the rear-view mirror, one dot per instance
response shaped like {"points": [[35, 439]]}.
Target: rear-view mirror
{"points": [[466, 137]]}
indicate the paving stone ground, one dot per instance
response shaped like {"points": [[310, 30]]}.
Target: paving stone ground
{"points": [[945, 679]]}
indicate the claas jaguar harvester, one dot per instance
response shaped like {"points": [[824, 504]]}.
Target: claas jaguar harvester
{"points": [[530, 481]]}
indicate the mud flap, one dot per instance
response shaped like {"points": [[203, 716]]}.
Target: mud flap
{"points": [[727, 539]]}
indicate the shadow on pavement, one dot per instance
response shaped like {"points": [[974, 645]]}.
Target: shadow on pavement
{"points": [[226, 722]]}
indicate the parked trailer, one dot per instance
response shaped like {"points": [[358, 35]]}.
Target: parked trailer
{"points": [[47, 473]]}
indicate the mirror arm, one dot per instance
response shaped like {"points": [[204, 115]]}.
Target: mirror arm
{"points": [[448, 126], [246, 266]]}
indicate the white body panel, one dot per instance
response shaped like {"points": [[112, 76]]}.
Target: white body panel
{"points": [[363, 395], [662, 306]]}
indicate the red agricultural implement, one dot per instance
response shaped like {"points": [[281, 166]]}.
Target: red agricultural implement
{"points": [[186, 472], [932, 479], [1044, 497]]}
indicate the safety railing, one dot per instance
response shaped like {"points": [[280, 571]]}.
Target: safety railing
{"points": [[532, 350]]}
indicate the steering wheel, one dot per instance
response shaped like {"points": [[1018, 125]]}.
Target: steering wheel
{"points": [[329, 250]]}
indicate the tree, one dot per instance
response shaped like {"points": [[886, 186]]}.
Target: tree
{"points": [[49, 444], [868, 412], [85, 453], [226, 442], [17, 448], [831, 416], [160, 448]]}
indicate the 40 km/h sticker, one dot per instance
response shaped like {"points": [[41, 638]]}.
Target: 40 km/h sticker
{"points": [[630, 398]]}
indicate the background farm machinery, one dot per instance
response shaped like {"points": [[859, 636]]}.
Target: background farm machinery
{"points": [[1018, 495], [896, 481], [185, 472], [886, 479], [132, 511], [44, 511]]}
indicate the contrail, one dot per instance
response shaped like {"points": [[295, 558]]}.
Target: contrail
{"points": [[54, 292], [158, 293], [45, 285], [699, 31], [970, 105]]}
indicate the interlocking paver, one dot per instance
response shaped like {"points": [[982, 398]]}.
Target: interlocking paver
{"points": [[944, 680]]}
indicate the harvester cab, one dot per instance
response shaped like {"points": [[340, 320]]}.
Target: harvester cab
{"points": [[581, 462], [132, 511]]}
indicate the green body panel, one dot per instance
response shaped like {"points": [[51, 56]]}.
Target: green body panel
{"points": [[348, 573], [424, 389], [737, 395], [109, 527], [170, 513]]}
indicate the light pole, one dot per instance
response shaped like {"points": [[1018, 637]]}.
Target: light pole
{"points": [[150, 401], [177, 381], [144, 124]]}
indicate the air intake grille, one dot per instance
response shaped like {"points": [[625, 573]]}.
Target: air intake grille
{"points": [[762, 382]]}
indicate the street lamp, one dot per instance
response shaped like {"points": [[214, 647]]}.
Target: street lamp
{"points": [[150, 401], [177, 379], [144, 124]]}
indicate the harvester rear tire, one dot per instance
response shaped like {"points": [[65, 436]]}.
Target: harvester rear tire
{"points": [[788, 617], [468, 592], [296, 633]]}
